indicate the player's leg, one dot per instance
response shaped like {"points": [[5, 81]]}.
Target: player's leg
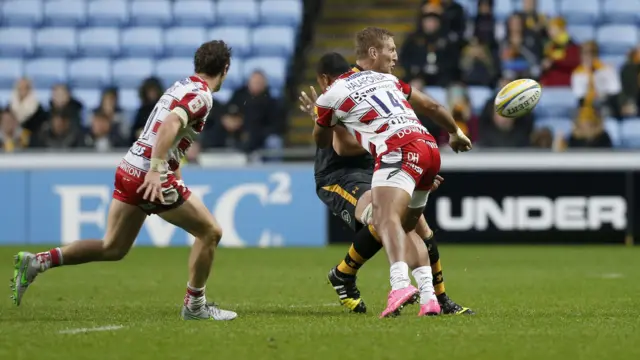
{"points": [[123, 225], [194, 217], [448, 306]]}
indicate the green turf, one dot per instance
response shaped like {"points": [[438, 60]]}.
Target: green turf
{"points": [[533, 303]]}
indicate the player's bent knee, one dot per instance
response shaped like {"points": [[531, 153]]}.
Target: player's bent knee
{"points": [[112, 252], [211, 235]]}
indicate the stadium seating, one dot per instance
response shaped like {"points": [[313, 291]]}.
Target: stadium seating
{"points": [[11, 70], [56, 41], [129, 73], [617, 61], [99, 41], [438, 94], [238, 37], [46, 72], [108, 12], [44, 96], [235, 76], [273, 41], [281, 12], [90, 73], [90, 98], [128, 100], [503, 9], [580, 11], [558, 126], [556, 102], [478, 96], [172, 69], [582, 33], [612, 127], [274, 69], [142, 41], [16, 41], [151, 13], [65, 13], [617, 39], [183, 40], [621, 11], [231, 12], [223, 96], [630, 131], [22, 12], [194, 12]]}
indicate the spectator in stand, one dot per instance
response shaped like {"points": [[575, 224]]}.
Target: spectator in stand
{"points": [[110, 108], [485, 25], [630, 78], [542, 139], [503, 132], [588, 131], [149, 92], [102, 136], [518, 51], [596, 84], [460, 105], [532, 19], [12, 136], [453, 17], [25, 107], [252, 116], [59, 133], [428, 54], [477, 64], [561, 55], [63, 102]]}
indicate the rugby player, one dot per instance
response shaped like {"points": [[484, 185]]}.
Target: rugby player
{"points": [[343, 182], [374, 109], [148, 181]]}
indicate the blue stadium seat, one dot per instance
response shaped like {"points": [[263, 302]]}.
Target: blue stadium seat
{"points": [[558, 126], [470, 6], [46, 72], [142, 41], [21, 12], [108, 12], [582, 33], [65, 12], [90, 72], [56, 41], [183, 41], [273, 41], [556, 102], [12, 69], [151, 12], [612, 127], [617, 39], [274, 68], [580, 11], [170, 70], [437, 93], [44, 97], [235, 76], [547, 7], [99, 41], [5, 97], [238, 37], [90, 98], [232, 12], [129, 73], [617, 61], [502, 9], [478, 95], [16, 41], [194, 12], [223, 96], [128, 99], [621, 11], [281, 12], [630, 133]]}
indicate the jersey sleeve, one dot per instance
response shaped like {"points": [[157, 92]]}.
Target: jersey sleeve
{"points": [[191, 107], [405, 88], [325, 110]]}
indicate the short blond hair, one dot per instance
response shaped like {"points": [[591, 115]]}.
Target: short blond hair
{"points": [[370, 37]]}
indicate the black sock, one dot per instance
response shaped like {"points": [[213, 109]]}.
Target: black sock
{"points": [[364, 247], [436, 267]]}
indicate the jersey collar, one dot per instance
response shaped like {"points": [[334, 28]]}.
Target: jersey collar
{"points": [[198, 79], [356, 68]]}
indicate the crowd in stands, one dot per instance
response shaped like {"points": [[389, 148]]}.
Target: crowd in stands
{"points": [[454, 50], [248, 121]]}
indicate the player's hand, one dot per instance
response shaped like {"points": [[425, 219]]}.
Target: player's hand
{"points": [[308, 102], [459, 141], [436, 183], [152, 187]]}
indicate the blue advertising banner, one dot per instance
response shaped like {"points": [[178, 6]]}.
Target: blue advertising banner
{"points": [[255, 207]]}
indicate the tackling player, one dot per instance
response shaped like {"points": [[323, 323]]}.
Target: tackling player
{"points": [[343, 182], [373, 108], [148, 181]]}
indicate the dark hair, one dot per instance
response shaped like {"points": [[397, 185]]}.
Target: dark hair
{"points": [[332, 64], [370, 37], [212, 58], [147, 84]]}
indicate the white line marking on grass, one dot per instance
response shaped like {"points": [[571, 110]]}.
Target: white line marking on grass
{"points": [[86, 330], [612, 276]]}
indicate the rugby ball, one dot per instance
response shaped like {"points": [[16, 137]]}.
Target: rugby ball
{"points": [[518, 98]]}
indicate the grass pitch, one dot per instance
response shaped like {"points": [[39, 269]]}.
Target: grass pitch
{"points": [[532, 303]]}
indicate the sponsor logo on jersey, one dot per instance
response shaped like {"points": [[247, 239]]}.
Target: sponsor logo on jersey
{"points": [[196, 104]]}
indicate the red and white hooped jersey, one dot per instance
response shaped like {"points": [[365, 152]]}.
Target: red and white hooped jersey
{"points": [[374, 108], [193, 97]]}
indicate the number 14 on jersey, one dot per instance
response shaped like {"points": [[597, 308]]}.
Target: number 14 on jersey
{"points": [[389, 104]]}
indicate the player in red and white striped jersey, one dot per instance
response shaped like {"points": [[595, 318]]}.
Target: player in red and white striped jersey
{"points": [[148, 181], [372, 106]]}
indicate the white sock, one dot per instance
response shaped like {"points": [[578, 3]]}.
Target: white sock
{"points": [[195, 298], [399, 275], [424, 279]]}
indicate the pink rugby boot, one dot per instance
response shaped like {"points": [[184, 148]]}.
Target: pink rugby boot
{"points": [[398, 299], [431, 308]]}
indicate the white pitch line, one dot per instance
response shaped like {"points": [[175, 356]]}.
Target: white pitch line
{"points": [[612, 276], [86, 330]]}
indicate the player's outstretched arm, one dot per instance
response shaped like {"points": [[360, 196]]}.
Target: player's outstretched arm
{"points": [[436, 112], [346, 144]]}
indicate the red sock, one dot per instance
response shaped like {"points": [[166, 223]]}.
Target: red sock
{"points": [[50, 259]]}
